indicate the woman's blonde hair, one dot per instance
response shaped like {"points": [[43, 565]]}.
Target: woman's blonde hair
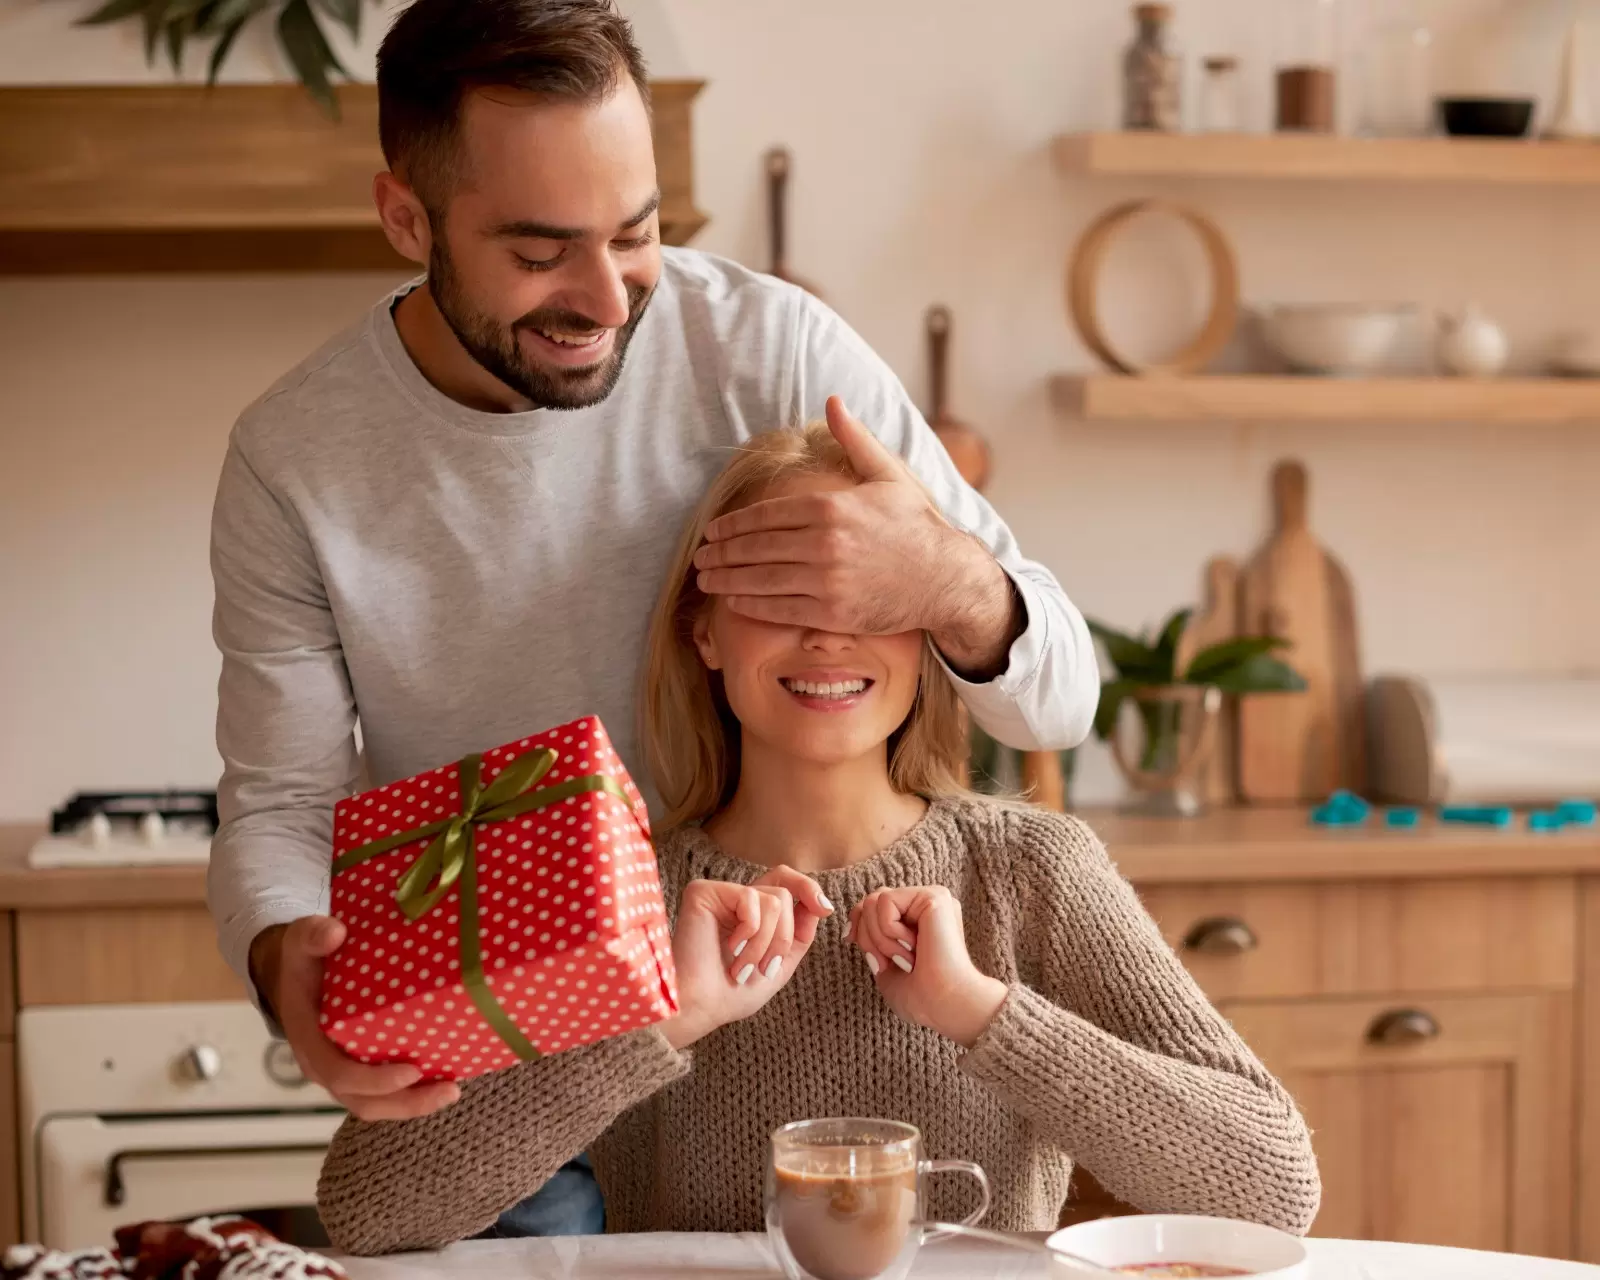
{"points": [[691, 736]]}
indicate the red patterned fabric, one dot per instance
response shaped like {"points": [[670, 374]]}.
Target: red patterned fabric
{"points": [[216, 1248]]}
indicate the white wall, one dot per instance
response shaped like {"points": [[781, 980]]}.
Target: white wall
{"points": [[920, 129]]}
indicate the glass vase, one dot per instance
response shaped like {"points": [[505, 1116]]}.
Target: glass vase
{"points": [[1162, 742], [1397, 76]]}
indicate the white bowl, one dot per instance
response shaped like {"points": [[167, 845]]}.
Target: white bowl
{"points": [[1220, 1242], [1332, 338]]}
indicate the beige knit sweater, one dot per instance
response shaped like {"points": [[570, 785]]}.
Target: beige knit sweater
{"points": [[1105, 1052]]}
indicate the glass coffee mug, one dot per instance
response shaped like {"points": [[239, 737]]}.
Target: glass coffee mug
{"points": [[846, 1198]]}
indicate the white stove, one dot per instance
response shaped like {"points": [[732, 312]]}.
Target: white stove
{"points": [[136, 1112], [129, 828]]}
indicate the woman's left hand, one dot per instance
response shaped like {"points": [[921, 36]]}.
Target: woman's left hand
{"points": [[917, 950]]}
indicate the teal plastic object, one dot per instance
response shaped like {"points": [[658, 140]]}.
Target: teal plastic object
{"points": [[1477, 815], [1403, 817], [1341, 809], [1578, 813], [1569, 813]]}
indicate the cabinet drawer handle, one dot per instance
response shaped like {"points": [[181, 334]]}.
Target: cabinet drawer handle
{"points": [[1402, 1026], [1221, 936]]}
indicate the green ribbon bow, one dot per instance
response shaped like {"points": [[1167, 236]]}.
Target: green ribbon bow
{"points": [[451, 861]]}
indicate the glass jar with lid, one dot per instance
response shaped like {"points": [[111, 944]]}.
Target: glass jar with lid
{"points": [[1309, 35], [1152, 73], [1220, 109]]}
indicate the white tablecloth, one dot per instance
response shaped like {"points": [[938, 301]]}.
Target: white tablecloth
{"points": [[679, 1257]]}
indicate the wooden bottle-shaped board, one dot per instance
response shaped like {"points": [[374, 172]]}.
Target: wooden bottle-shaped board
{"points": [[1296, 748]]}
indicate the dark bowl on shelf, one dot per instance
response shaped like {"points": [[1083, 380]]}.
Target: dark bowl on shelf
{"points": [[1486, 117]]}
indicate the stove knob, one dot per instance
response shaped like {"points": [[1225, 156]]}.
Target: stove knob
{"points": [[152, 829], [282, 1067], [97, 831], [202, 1062]]}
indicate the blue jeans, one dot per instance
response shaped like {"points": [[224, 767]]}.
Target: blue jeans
{"points": [[568, 1205]]}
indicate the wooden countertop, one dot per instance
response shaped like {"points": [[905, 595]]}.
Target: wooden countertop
{"points": [[1282, 844], [24, 888], [1227, 845]]}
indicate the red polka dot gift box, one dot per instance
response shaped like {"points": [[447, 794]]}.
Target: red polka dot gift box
{"points": [[499, 908]]}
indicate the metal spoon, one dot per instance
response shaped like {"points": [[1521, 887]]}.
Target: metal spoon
{"points": [[1025, 1244]]}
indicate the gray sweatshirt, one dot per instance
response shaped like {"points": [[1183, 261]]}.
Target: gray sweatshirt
{"points": [[454, 579]]}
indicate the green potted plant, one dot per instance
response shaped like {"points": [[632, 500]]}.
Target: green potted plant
{"points": [[1177, 710], [172, 24]]}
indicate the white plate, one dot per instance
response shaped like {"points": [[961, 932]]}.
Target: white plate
{"points": [[1120, 1242]]}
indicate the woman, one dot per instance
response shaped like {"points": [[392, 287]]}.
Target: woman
{"points": [[855, 934]]}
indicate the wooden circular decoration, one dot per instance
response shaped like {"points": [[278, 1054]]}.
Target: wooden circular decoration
{"points": [[1083, 275]]}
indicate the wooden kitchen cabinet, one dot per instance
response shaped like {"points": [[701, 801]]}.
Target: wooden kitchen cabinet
{"points": [[1588, 1081], [1484, 1133], [111, 955], [1458, 1135], [235, 177], [10, 1149], [1425, 1027], [1251, 941]]}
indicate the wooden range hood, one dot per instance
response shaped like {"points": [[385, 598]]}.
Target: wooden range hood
{"points": [[236, 178]]}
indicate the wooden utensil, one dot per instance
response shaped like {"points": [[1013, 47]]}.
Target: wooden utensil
{"points": [[965, 445], [1216, 620], [1296, 748], [779, 162]]}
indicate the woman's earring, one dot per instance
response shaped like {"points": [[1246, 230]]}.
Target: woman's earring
{"points": [[704, 644]]}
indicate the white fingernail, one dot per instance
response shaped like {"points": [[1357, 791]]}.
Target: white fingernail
{"points": [[849, 929], [744, 974], [902, 962], [772, 969], [822, 901], [872, 963], [739, 950], [907, 945]]}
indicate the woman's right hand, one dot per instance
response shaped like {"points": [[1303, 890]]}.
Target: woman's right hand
{"points": [[735, 946]]}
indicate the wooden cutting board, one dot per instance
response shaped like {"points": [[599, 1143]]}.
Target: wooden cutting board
{"points": [[1216, 620], [1296, 748], [1350, 689]]}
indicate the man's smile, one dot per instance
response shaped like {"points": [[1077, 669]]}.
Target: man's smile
{"points": [[571, 350]]}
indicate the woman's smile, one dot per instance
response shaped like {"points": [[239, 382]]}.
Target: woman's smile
{"points": [[827, 690]]}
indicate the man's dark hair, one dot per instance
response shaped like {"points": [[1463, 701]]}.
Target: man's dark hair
{"points": [[439, 51]]}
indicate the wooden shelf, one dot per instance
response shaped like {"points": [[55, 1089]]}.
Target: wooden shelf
{"points": [[242, 177], [1214, 398], [1312, 156]]}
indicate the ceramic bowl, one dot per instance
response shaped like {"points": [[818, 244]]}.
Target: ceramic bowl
{"points": [[1576, 356], [1347, 339], [1486, 117], [1260, 1251]]}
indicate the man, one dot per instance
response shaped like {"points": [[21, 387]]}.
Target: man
{"points": [[449, 523]]}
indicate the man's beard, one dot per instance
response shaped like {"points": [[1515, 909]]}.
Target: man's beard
{"points": [[496, 348]]}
